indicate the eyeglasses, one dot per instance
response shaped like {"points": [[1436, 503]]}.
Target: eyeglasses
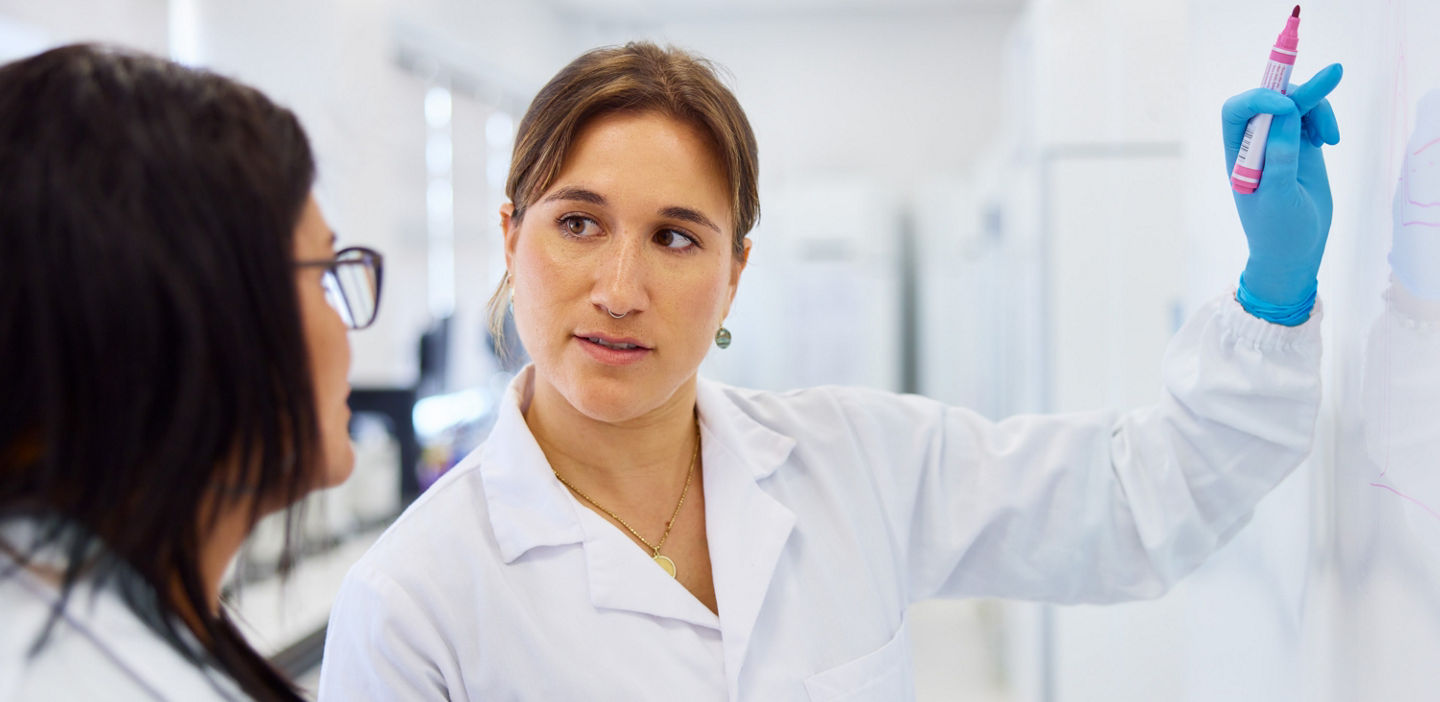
{"points": [[352, 284]]}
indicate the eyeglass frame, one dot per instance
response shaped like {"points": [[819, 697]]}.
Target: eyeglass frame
{"points": [[369, 258]]}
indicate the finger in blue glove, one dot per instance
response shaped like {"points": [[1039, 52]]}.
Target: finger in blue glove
{"points": [[1287, 219]]}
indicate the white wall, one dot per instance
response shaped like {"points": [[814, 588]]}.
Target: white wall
{"points": [[32, 26], [1086, 180]]}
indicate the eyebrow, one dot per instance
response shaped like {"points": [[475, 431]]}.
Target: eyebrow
{"points": [[688, 215], [576, 193], [582, 195]]}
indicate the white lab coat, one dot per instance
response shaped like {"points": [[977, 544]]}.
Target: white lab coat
{"points": [[828, 511], [98, 650]]}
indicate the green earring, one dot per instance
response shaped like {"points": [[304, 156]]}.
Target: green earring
{"points": [[722, 338]]}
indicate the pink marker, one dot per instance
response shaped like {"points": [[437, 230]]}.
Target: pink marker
{"points": [[1251, 159]]}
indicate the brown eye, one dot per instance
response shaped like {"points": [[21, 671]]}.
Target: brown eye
{"points": [[577, 226], [671, 239]]}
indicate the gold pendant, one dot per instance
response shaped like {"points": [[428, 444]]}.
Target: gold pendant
{"points": [[666, 563]]}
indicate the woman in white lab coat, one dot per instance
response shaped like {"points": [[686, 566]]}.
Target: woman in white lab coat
{"points": [[171, 368], [632, 532]]}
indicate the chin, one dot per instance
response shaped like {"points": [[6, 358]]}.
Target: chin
{"points": [[602, 399], [610, 408], [616, 400], [339, 465]]}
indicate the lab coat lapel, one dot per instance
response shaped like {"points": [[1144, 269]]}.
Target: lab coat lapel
{"points": [[624, 577], [746, 527], [527, 505], [529, 508]]}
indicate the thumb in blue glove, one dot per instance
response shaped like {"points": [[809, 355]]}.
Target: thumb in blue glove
{"points": [[1287, 218]]}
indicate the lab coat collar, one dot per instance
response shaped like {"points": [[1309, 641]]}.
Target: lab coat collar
{"points": [[97, 610], [528, 507], [751, 443], [746, 529]]}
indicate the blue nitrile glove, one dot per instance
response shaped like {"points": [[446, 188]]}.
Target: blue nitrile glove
{"points": [[1287, 218]]}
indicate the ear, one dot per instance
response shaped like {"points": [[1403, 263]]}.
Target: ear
{"points": [[738, 265], [510, 227], [736, 268]]}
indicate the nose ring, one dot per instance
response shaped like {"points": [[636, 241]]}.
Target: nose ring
{"points": [[612, 314]]}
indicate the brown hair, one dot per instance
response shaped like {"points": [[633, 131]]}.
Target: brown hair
{"points": [[637, 77]]}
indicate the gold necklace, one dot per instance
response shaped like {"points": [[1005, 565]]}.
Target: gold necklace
{"points": [[663, 561]]}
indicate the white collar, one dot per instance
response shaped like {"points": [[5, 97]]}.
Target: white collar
{"points": [[529, 508]]}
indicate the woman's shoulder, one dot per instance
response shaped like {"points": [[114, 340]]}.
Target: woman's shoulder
{"points": [[445, 521], [95, 648], [789, 410], [803, 396]]}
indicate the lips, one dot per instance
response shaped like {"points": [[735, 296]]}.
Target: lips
{"points": [[620, 346], [613, 342], [612, 350]]}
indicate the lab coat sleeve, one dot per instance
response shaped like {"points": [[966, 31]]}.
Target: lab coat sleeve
{"points": [[1102, 506], [379, 644]]}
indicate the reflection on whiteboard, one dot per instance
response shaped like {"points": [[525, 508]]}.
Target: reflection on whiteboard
{"points": [[1401, 388]]}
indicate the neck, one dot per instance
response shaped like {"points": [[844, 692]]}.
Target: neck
{"points": [[629, 462], [225, 541], [218, 549]]}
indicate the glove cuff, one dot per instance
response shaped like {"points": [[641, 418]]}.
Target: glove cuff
{"points": [[1286, 315]]}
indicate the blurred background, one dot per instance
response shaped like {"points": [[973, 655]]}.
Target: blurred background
{"points": [[1004, 204]]}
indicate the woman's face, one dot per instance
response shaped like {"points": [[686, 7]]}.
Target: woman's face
{"points": [[326, 338], [637, 223]]}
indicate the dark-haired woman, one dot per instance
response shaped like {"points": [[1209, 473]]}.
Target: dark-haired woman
{"points": [[173, 358]]}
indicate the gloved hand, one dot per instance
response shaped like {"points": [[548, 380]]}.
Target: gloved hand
{"points": [[1287, 218]]}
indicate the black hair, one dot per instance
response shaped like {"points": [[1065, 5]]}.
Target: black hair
{"points": [[152, 356]]}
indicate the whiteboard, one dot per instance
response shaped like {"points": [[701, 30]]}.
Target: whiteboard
{"points": [[1353, 599]]}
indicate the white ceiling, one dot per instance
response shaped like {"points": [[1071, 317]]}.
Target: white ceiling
{"points": [[686, 10]]}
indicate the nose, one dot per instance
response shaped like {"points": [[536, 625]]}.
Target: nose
{"points": [[620, 284]]}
